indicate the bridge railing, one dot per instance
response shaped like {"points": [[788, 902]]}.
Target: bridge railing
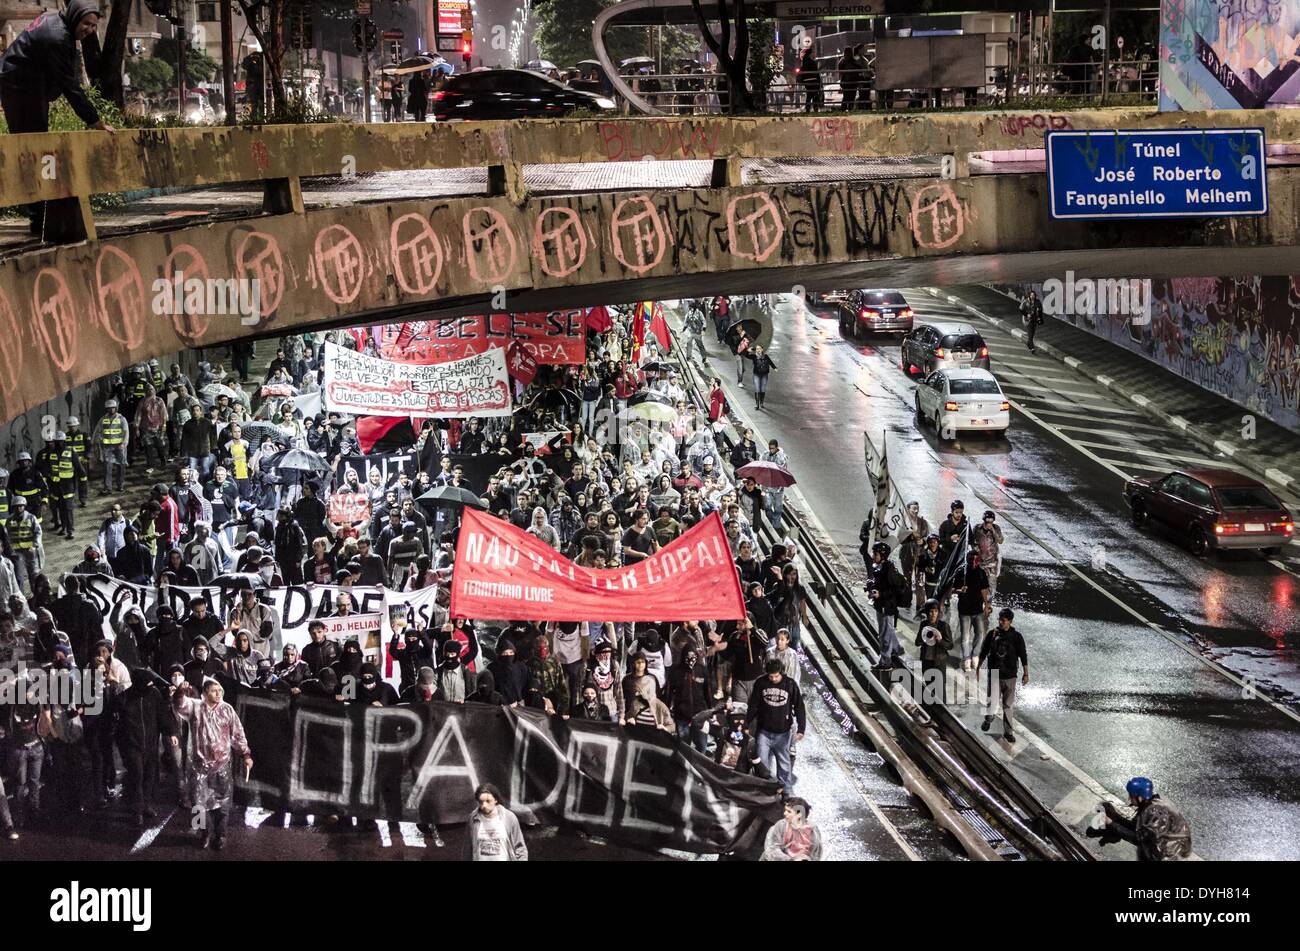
{"points": [[48, 166]]}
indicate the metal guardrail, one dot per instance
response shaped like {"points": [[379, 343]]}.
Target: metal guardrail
{"points": [[993, 803]]}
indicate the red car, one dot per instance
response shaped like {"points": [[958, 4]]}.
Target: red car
{"points": [[1212, 509]]}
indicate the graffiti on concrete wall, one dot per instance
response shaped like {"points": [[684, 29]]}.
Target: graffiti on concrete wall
{"points": [[1229, 54], [1238, 337], [86, 310]]}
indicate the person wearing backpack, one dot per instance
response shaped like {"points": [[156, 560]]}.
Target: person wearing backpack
{"points": [[1004, 649], [695, 335], [889, 591], [973, 609]]}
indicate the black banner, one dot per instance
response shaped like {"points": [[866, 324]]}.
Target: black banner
{"points": [[422, 762], [389, 464]]}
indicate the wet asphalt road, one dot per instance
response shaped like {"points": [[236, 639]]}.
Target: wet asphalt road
{"points": [[1110, 695]]}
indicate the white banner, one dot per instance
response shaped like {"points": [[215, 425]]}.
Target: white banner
{"points": [[362, 385]]}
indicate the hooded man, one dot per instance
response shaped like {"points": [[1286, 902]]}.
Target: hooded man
{"points": [[454, 683], [687, 692], [164, 644], [39, 66], [413, 649], [132, 635], [202, 664], [423, 688], [485, 691], [348, 668], [291, 672], [242, 659], [372, 690], [546, 680], [142, 721], [510, 673]]}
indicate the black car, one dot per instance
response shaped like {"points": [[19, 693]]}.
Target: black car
{"points": [[511, 94], [941, 345], [874, 311]]}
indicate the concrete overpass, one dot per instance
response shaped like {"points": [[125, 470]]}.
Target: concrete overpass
{"points": [[77, 312]]}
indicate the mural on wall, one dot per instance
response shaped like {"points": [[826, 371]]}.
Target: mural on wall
{"points": [[1238, 337], [1229, 54]]}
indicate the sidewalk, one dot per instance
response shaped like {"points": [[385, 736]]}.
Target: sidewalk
{"points": [[1206, 418]]}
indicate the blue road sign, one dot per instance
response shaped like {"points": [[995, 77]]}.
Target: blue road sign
{"points": [[1168, 173]]}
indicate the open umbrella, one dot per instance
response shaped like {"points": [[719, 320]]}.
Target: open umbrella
{"points": [[214, 390], [589, 62], [767, 474], [652, 406], [452, 495], [540, 65], [255, 432], [302, 460], [657, 366], [637, 61], [751, 327], [555, 399], [444, 67], [412, 64]]}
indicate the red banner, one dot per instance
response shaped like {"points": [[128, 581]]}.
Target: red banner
{"points": [[348, 507], [504, 573], [550, 337]]}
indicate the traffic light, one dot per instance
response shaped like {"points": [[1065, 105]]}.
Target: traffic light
{"points": [[467, 46]]}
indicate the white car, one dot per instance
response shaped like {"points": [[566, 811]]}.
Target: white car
{"points": [[962, 401]]}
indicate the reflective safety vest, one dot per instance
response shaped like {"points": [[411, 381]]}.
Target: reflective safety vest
{"points": [[137, 389], [47, 460], [77, 443], [157, 379], [67, 472], [22, 532], [29, 493], [113, 434], [239, 458], [4, 505]]}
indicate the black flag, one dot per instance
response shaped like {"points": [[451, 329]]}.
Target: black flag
{"points": [[954, 569]]}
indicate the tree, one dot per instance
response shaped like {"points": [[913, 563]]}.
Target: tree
{"points": [[563, 35], [199, 66], [761, 65], [732, 55], [265, 18], [104, 58], [151, 76]]}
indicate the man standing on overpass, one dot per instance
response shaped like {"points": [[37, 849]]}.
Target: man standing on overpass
{"points": [[38, 67]]}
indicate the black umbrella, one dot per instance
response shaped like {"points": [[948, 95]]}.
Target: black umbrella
{"points": [[412, 64], [657, 366], [557, 399], [751, 327], [255, 432], [238, 581], [653, 406], [452, 495]]}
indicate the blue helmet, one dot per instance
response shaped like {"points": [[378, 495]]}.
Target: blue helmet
{"points": [[1141, 788]]}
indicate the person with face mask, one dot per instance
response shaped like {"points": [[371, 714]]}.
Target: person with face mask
{"points": [[485, 691], [131, 634], [511, 674], [589, 706], [603, 675], [163, 644], [412, 648], [423, 688], [323, 686], [547, 680], [348, 667], [687, 691], [454, 684], [373, 691], [217, 739], [141, 724], [202, 663]]}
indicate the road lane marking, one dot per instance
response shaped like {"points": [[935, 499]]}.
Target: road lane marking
{"points": [[1217, 463]]}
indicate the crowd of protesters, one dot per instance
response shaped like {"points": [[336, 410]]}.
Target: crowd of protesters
{"points": [[601, 484]]}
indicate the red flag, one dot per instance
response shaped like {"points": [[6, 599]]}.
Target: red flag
{"points": [[501, 571], [520, 363], [659, 327], [598, 319], [638, 331], [371, 429]]}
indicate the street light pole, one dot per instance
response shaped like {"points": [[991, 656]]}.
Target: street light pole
{"points": [[228, 61]]}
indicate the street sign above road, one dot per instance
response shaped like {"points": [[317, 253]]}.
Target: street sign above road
{"points": [[1167, 173]]}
